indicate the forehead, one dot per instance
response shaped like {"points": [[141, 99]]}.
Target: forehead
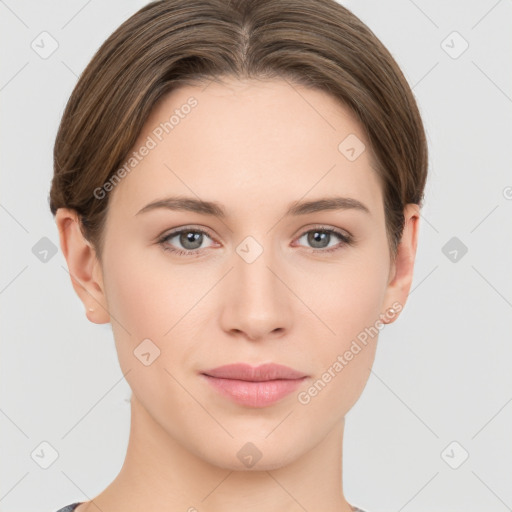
{"points": [[248, 144]]}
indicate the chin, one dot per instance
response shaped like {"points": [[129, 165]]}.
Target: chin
{"points": [[250, 453]]}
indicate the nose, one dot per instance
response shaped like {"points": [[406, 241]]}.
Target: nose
{"points": [[256, 301]]}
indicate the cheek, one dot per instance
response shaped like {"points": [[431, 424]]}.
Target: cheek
{"points": [[349, 296], [349, 302], [145, 292], [150, 297], [146, 300], [134, 301]]}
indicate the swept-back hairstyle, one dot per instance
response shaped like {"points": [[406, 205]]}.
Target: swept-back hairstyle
{"points": [[168, 43]]}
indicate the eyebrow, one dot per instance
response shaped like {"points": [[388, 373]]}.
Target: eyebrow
{"points": [[215, 209]]}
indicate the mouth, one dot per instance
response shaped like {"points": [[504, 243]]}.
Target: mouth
{"points": [[264, 372], [254, 386]]}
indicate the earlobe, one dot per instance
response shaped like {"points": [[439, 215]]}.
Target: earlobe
{"points": [[403, 267], [83, 266]]}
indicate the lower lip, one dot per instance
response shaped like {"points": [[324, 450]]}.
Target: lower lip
{"points": [[254, 394]]}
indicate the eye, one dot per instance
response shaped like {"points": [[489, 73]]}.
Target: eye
{"points": [[320, 238], [189, 238]]}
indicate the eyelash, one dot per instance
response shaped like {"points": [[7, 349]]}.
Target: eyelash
{"points": [[345, 240]]}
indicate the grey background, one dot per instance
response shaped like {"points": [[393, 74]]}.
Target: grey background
{"points": [[442, 371]]}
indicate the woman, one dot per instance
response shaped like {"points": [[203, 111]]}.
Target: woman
{"points": [[237, 190]]}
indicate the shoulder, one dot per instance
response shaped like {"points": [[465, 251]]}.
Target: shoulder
{"points": [[70, 508]]}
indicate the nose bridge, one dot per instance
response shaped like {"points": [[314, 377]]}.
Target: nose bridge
{"points": [[257, 302], [255, 281]]}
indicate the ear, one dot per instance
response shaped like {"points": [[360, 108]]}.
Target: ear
{"points": [[83, 265], [401, 272]]}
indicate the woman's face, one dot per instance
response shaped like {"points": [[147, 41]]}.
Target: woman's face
{"points": [[261, 284]]}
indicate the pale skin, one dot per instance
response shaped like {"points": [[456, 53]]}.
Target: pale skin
{"points": [[254, 147]]}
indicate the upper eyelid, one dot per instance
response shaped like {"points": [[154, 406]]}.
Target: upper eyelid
{"points": [[320, 227], [178, 231]]}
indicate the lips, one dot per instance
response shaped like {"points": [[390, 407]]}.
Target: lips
{"points": [[250, 386], [262, 373]]}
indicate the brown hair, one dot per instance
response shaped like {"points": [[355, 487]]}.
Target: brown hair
{"points": [[168, 43]]}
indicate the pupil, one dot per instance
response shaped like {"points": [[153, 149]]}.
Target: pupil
{"points": [[318, 236], [191, 237]]}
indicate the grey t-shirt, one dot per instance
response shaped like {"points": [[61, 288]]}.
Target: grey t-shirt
{"points": [[70, 508]]}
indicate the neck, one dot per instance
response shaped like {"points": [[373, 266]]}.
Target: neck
{"points": [[160, 473]]}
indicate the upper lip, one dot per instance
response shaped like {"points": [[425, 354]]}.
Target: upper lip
{"points": [[264, 372]]}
